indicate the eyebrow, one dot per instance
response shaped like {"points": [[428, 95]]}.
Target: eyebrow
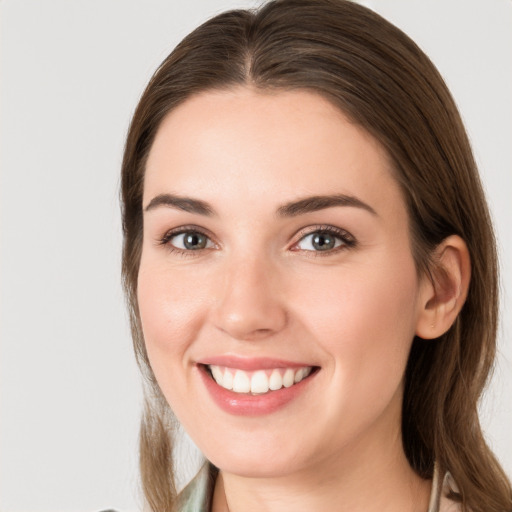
{"points": [[315, 203], [187, 204], [290, 209]]}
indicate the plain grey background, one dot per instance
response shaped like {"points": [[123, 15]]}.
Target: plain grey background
{"points": [[71, 74]]}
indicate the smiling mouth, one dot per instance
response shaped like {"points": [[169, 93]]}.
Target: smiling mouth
{"points": [[258, 382]]}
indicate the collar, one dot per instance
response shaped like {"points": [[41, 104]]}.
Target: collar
{"points": [[197, 495]]}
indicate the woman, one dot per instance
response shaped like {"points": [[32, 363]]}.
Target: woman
{"points": [[311, 270]]}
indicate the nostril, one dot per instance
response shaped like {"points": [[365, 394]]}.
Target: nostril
{"points": [[250, 322]]}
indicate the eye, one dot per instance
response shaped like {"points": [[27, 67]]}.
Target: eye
{"points": [[189, 240], [325, 240]]}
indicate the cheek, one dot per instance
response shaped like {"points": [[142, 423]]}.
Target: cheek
{"points": [[365, 321], [171, 310]]}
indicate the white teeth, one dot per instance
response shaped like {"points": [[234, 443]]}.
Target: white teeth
{"points": [[260, 381], [227, 381], [241, 382], [288, 378], [302, 373], [217, 373], [276, 381]]}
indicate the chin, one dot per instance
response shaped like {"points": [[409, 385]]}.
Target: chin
{"points": [[259, 457], [256, 467]]}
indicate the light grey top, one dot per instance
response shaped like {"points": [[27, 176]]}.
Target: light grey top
{"points": [[197, 495]]}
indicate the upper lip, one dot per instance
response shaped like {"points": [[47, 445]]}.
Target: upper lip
{"points": [[251, 363]]}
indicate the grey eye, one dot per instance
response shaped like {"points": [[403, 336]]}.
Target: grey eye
{"points": [[190, 241], [319, 241]]}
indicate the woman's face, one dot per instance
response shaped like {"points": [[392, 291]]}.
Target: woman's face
{"points": [[276, 249]]}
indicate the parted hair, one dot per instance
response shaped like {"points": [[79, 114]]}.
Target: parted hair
{"points": [[378, 77]]}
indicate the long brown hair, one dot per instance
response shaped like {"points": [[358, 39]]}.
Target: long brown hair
{"points": [[382, 81]]}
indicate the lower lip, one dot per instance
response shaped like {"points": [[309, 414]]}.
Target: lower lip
{"points": [[252, 405]]}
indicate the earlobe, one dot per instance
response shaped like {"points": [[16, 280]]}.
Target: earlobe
{"points": [[445, 289]]}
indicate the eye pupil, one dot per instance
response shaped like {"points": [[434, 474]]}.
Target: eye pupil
{"points": [[323, 241], [194, 241]]}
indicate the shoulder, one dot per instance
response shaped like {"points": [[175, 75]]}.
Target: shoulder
{"points": [[447, 505], [197, 495], [448, 487], [443, 488]]}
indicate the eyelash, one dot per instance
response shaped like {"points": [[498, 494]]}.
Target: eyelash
{"points": [[166, 240], [347, 240]]}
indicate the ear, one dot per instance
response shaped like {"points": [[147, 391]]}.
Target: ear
{"points": [[444, 289]]}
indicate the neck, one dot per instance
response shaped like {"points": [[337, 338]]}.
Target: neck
{"points": [[367, 477]]}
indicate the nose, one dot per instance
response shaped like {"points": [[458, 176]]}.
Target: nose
{"points": [[250, 302]]}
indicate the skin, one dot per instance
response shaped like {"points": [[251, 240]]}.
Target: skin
{"points": [[260, 289]]}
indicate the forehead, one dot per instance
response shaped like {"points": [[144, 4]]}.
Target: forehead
{"points": [[251, 144]]}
